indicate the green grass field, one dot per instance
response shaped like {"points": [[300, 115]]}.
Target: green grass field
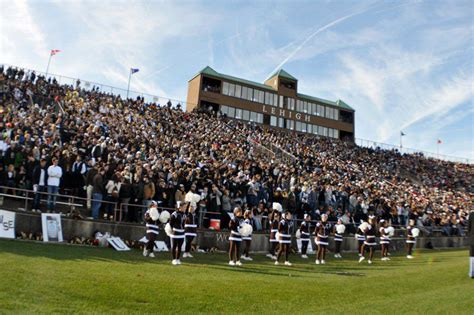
{"points": [[49, 278]]}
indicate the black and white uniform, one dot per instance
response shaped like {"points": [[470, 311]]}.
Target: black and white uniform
{"points": [[338, 237], [273, 239], [284, 232], [247, 238], [410, 237], [322, 233], [304, 231], [151, 231], [370, 236], [177, 238], [190, 230], [384, 238], [235, 239], [360, 235], [234, 225]]}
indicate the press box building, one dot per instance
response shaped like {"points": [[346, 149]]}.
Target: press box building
{"points": [[276, 103]]}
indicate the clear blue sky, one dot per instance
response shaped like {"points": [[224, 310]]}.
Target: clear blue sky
{"points": [[403, 65]]}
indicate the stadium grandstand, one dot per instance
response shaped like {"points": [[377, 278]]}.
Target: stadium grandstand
{"points": [[120, 154]]}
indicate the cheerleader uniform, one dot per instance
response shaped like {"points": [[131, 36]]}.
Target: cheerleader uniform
{"points": [[235, 240], [322, 240], [338, 238], [284, 230], [369, 243], [151, 233], [273, 239], [177, 238], [360, 235], [410, 241], [190, 232], [385, 243], [247, 240], [304, 230]]}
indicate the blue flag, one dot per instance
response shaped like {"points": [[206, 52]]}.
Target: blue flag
{"points": [[134, 70]]}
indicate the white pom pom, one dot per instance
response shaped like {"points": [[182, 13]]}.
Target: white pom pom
{"points": [[390, 231], [364, 226], [298, 233], [245, 229], [415, 232], [164, 216], [277, 206], [168, 229], [154, 214], [340, 228]]}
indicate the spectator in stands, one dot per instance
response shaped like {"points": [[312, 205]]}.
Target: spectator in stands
{"points": [[40, 180], [112, 188], [54, 177], [97, 192]]}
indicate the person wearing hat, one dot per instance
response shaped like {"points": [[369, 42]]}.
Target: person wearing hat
{"points": [[305, 233], [284, 238], [151, 230], [321, 232], [470, 230]]}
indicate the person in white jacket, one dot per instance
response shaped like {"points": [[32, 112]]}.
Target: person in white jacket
{"points": [[54, 176]]}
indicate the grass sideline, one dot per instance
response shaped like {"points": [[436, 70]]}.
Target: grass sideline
{"points": [[52, 278]]}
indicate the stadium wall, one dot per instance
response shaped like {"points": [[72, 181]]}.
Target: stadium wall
{"points": [[31, 223]]}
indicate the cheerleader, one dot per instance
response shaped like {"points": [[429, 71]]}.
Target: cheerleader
{"points": [[305, 232], [284, 238], [339, 229], [321, 232], [247, 239], [274, 220], [384, 239], [177, 236], [151, 230], [360, 236], [190, 231], [235, 238], [410, 238], [369, 231]]}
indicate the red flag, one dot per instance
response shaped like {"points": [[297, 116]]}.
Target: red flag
{"points": [[54, 51], [439, 141]]}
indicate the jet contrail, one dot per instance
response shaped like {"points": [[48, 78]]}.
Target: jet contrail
{"points": [[325, 27]]}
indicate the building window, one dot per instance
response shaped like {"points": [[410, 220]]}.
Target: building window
{"points": [[224, 110], [260, 118], [225, 88], [290, 124], [305, 107], [298, 126], [246, 115], [281, 122], [336, 133], [249, 94], [261, 97], [238, 91], [275, 101], [303, 127], [336, 114], [320, 111], [309, 128], [253, 117], [238, 113], [231, 112], [268, 98], [273, 121], [298, 104], [231, 89]]}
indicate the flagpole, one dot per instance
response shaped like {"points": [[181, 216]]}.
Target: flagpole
{"points": [[129, 77], [49, 61]]}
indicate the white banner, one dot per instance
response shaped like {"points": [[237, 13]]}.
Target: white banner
{"points": [[7, 224], [118, 244], [52, 230]]}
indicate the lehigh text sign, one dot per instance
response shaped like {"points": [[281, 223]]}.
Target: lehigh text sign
{"points": [[280, 112]]}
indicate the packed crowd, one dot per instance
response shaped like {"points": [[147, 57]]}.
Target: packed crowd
{"points": [[67, 139]]}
